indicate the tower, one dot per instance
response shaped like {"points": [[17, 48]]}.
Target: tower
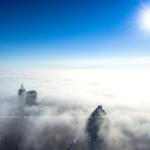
{"points": [[31, 97], [21, 91], [94, 126], [27, 97], [21, 98]]}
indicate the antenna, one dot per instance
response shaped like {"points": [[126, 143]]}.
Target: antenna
{"points": [[22, 87]]}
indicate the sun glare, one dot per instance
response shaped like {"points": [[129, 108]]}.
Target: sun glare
{"points": [[145, 19]]}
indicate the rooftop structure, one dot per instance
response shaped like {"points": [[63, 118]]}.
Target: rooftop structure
{"points": [[29, 97], [22, 90]]}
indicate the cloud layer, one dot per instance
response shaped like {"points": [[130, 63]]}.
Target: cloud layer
{"points": [[66, 99]]}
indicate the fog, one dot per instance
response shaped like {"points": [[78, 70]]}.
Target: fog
{"points": [[66, 99]]}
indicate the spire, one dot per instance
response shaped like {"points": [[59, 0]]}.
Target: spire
{"points": [[21, 90], [22, 87]]}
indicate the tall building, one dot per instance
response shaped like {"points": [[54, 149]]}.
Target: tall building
{"points": [[94, 126], [27, 97], [22, 90], [31, 97]]}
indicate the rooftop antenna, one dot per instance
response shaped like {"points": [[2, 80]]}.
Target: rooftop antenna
{"points": [[22, 87]]}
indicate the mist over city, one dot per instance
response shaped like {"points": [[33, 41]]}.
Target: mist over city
{"points": [[61, 116], [74, 75]]}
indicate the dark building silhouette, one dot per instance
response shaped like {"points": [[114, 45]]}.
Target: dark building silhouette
{"points": [[22, 90], [93, 128], [27, 97]]}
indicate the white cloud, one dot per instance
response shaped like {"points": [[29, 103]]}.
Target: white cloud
{"points": [[68, 96]]}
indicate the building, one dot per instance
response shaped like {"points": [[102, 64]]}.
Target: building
{"points": [[22, 90], [94, 125], [27, 97], [31, 97]]}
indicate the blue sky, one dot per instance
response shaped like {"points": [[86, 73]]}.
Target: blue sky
{"points": [[42, 30]]}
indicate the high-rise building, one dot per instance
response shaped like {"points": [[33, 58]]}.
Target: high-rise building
{"points": [[31, 97], [27, 97], [22, 90], [94, 126]]}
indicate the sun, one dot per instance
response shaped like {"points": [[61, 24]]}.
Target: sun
{"points": [[145, 19]]}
